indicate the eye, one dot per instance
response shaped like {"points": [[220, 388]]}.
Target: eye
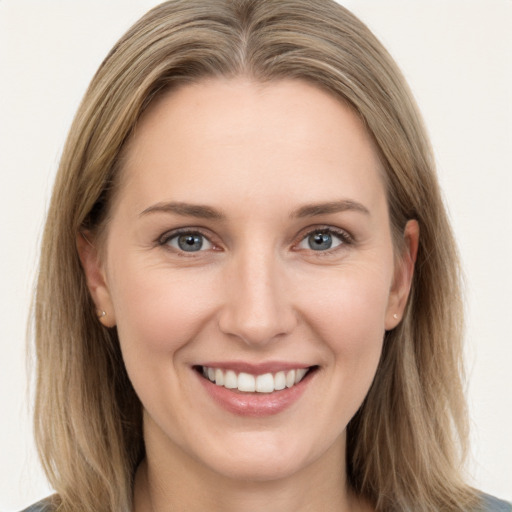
{"points": [[324, 239], [186, 241]]}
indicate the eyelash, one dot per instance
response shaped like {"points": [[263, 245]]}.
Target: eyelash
{"points": [[164, 240], [345, 238]]}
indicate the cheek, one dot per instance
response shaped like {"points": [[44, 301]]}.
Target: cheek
{"points": [[346, 311], [348, 307], [349, 319], [158, 311]]}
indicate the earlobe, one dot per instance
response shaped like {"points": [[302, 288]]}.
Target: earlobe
{"points": [[404, 273], [95, 278]]}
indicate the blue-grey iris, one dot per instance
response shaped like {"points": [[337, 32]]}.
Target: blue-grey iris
{"points": [[320, 241], [190, 243]]}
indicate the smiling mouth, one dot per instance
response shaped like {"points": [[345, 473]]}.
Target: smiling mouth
{"points": [[249, 383]]}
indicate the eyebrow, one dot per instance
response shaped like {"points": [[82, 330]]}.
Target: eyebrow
{"points": [[186, 210], [311, 210], [207, 212]]}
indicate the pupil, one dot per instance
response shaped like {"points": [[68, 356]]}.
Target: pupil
{"points": [[190, 243], [320, 241]]}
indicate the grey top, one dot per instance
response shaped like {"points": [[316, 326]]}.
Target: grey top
{"points": [[489, 504]]}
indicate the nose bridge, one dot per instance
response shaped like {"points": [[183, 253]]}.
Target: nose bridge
{"points": [[258, 306]]}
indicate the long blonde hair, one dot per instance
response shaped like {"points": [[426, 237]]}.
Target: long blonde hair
{"points": [[407, 441]]}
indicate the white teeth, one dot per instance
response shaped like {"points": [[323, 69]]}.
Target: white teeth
{"points": [[246, 382], [230, 380], [299, 374], [290, 378], [265, 383], [279, 381]]}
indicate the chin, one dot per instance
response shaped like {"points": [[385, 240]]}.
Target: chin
{"points": [[268, 469], [265, 458]]}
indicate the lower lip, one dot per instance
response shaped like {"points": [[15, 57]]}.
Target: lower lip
{"points": [[255, 404]]}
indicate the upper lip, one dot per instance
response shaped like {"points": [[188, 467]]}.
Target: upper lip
{"points": [[255, 368]]}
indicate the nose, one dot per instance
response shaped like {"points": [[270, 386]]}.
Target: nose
{"points": [[258, 307]]}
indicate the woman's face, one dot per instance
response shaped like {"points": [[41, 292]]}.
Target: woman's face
{"points": [[250, 244]]}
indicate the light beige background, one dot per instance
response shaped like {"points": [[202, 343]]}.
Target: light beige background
{"points": [[457, 56]]}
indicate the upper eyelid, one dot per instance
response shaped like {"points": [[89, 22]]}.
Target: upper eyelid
{"points": [[342, 233], [172, 233]]}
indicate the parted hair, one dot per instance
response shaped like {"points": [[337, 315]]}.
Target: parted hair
{"points": [[406, 444]]}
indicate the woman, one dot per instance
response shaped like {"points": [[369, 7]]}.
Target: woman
{"points": [[248, 294]]}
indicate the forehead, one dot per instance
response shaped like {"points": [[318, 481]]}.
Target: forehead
{"points": [[289, 135]]}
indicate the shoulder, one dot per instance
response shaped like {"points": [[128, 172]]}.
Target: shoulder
{"points": [[41, 506], [492, 504]]}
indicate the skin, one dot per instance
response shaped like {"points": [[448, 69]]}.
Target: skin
{"points": [[256, 291]]}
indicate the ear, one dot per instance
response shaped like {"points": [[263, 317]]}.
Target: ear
{"points": [[404, 271], [95, 277]]}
